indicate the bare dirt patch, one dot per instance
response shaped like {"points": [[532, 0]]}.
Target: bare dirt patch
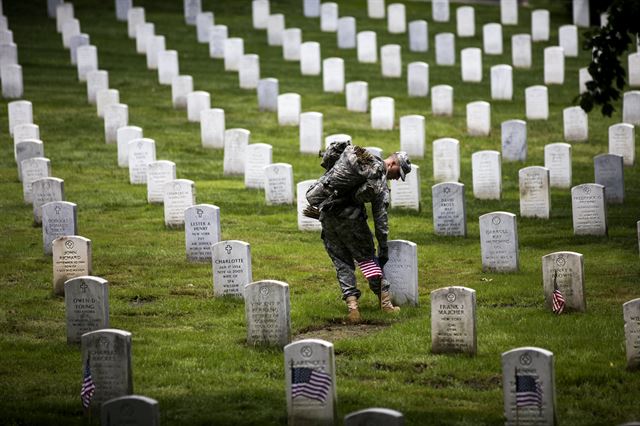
{"points": [[339, 330]]}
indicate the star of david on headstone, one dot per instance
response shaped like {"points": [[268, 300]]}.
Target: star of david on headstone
{"points": [[57, 209], [228, 248], [84, 287], [306, 351], [525, 359], [496, 220], [68, 244], [446, 190]]}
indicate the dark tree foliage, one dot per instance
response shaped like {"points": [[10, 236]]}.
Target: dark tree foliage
{"points": [[609, 43]]}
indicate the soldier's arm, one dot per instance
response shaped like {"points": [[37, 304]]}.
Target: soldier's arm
{"points": [[379, 207]]}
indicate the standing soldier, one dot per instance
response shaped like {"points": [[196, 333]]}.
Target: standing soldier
{"points": [[338, 201]]}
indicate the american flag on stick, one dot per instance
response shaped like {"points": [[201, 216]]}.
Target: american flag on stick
{"points": [[557, 298], [310, 383], [88, 387], [528, 391], [370, 268]]}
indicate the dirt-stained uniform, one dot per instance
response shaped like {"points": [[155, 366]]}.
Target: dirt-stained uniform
{"points": [[345, 232]]}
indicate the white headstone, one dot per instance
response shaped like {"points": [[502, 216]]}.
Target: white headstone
{"points": [[396, 18], [609, 172], [87, 58], [260, 12], [537, 102], [201, 230], [391, 60], [406, 194], [471, 64], [449, 209], [197, 102], [528, 382], [514, 140], [557, 158], [124, 135], [141, 153], [329, 17], [442, 100], [52, 6], [453, 320], [346, 32], [478, 118], [275, 28], [509, 12], [357, 96], [499, 242], [179, 194], [418, 36], [235, 146], [445, 49], [521, 51], [382, 113], [268, 90], [257, 157], [576, 124], [19, 112], [305, 223], [96, 80], [131, 410], [212, 127], [376, 9], [630, 107], [412, 135], [564, 271], [45, 190], [402, 272], [155, 45], [289, 108], [540, 25], [553, 65], [268, 313], [8, 54], [204, 23], [487, 175], [492, 39], [581, 16], [418, 79], [135, 17], [535, 194], [181, 86], [336, 137], [25, 149], [71, 258], [634, 69], [33, 169], [23, 132], [311, 8], [59, 219], [440, 10], [631, 315], [501, 82], [12, 83], [333, 75], [191, 10], [622, 141], [568, 40], [465, 21], [115, 116], [122, 8], [367, 47], [278, 184], [64, 12], [374, 416], [217, 35], [168, 66], [75, 42], [158, 174], [70, 28], [86, 306], [589, 208], [310, 58], [583, 78], [291, 41], [311, 127], [231, 261], [144, 33], [446, 160]]}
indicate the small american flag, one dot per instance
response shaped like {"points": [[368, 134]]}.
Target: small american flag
{"points": [[310, 383], [557, 298], [88, 387], [370, 268], [528, 391]]}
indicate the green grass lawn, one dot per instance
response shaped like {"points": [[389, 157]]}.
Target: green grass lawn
{"points": [[189, 349]]}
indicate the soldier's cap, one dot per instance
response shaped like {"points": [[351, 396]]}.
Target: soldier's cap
{"points": [[403, 161]]}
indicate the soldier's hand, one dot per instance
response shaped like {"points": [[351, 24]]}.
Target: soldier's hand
{"points": [[382, 260]]}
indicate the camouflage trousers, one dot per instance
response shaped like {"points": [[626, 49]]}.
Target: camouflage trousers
{"points": [[347, 240]]}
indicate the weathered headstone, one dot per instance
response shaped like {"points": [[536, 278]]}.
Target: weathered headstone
{"points": [[557, 158], [333, 75], [289, 108], [406, 194], [540, 25], [609, 172], [24, 132], [19, 112], [59, 219], [445, 49], [528, 382], [8, 54], [71, 258], [115, 117], [631, 315], [346, 32], [391, 60], [257, 157], [45, 190], [179, 194], [402, 272], [509, 12], [471, 64], [502, 82], [563, 271], [201, 230], [159, 173], [131, 410], [630, 107], [514, 140], [25, 149], [357, 96], [96, 81], [212, 127], [135, 17], [412, 135], [446, 160], [440, 10], [576, 124], [291, 42], [231, 262], [521, 51], [268, 313], [86, 300], [553, 65], [217, 36], [329, 17], [418, 36], [33, 169], [268, 90], [204, 23], [487, 175], [12, 82], [568, 40], [141, 153], [311, 126], [310, 381], [465, 21], [396, 18], [449, 209], [589, 209], [168, 66], [235, 146], [305, 223], [478, 118], [197, 102], [104, 98], [535, 194], [367, 47], [622, 141], [418, 79], [275, 27], [453, 320], [310, 63], [442, 100], [492, 39], [106, 356], [382, 113], [278, 184], [374, 417], [537, 102], [499, 242]]}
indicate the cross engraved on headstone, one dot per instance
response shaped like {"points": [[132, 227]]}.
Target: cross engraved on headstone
{"points": [[84, 287], [57, 209], [228, 248], [199, 212]]}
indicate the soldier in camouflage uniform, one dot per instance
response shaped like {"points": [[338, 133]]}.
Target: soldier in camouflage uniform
{"points": [[345, 232]]}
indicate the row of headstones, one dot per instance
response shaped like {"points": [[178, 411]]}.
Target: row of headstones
{"points": [[10, 68]]}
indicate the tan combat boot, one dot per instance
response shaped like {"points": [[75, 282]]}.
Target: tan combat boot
{"points": [[354, 314], [386, 305]]}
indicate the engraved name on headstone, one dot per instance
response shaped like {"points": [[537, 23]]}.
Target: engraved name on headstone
{"points": [[235, 146], [45, 190], [535, 193], [449, 211], [499, 242], [557, 158], [179, 194], [71, 259], [59, 219], [453, 320], [278, 184], [564, 271], [201, 230], [159, 173], [231, 261], [141, 153], [86, 306], [268, 313], [402, 272], [589, 209], [406, 194]]}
